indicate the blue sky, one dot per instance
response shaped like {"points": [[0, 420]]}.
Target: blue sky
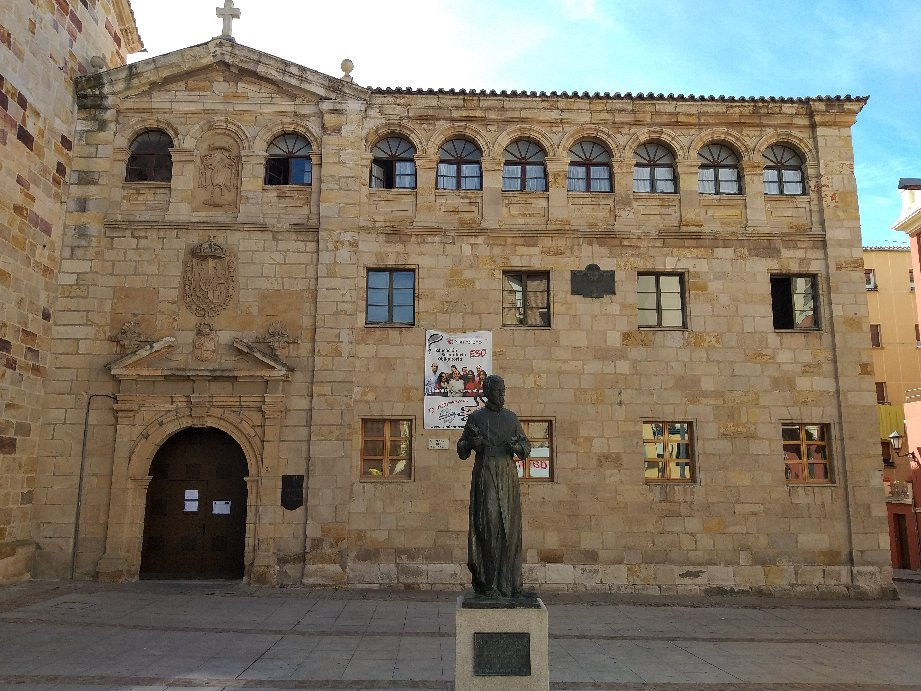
{"points": [[732, 47]]}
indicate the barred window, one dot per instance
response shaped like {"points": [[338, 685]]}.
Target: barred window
{"points": [[526, 298], [289, 161], [660, 300], [391, 297], [386, 449], [589, 168], [393, 164], [795, 302], [150, 159], [524, 168], [806, 452], [539, 465], [783, 170], [668, 451], [459, 166], [719, 170], [653, 169]]}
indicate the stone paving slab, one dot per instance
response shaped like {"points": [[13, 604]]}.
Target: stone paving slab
{"points": [[158, 635]]}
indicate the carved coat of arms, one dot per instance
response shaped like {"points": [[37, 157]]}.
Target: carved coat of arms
{"points": [[208, 279], [219, 177]]}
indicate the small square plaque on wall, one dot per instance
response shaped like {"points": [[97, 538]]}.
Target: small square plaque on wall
{"points": [[502, 654]]}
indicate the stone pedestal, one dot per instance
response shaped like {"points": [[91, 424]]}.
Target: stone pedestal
{"points": [[501, 646]]}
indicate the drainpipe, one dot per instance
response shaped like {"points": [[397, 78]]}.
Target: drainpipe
{"points": [[86, 429]]}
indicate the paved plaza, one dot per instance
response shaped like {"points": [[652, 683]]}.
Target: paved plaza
{"points": [[163, 635]]}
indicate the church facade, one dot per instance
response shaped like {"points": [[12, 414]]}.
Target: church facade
{"points": [[259, 259]]}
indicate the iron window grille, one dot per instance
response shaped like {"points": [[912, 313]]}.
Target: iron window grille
{"points": [[668, 452], [718, 171], [524, 168], [783, 170], [653, 169], [806, 452], [589, 168], [289, 161], [393, 164], [386, 449], [459, 166], [539, 465], [391, 297], [794, 302], [660, 300], [526, 298], [150, 159]]}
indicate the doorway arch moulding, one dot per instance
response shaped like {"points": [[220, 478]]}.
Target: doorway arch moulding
{"points": [[148, 411]]}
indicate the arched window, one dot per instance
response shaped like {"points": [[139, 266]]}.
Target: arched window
{"points": [[719, 170], [783, 170], [393, 166], [150, 159], [589, 168], [289, 161], [653, 169], [459, 166], [524, 167]]}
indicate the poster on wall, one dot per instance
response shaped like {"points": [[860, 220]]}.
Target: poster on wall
{"points": [[456, 366]]}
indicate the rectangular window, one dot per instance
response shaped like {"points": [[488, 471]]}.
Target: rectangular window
{"points": [[391, 296], [771, 181], [911, 280], [668, 452], [806, 453], [869, 276], [539, 465], [887, 454], [794, 301], [511, 178], [642, 178], [881, 392], [526, 298], [386, 449], [917, 336], [576, 180], [876, 336], [660, 300]]}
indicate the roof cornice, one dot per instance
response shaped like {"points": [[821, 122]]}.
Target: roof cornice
{"points": [[618, 96]]}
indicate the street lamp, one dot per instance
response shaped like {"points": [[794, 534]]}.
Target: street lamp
{"points": [[895, 439]]}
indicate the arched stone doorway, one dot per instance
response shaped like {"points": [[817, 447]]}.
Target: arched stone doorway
{"points": [[195, 515]]}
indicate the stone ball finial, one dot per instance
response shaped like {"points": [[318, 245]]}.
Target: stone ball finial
{"points": [[347, 67]]}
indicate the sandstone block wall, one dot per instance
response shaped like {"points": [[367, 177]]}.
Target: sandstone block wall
{"points": [[44, 46]]}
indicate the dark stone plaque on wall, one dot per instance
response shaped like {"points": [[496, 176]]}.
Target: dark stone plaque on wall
{"points": [[592, 282], [502, 654], [292, 491]]}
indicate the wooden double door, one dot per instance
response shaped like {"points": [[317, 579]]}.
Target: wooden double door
{"points": [[195, 518]]}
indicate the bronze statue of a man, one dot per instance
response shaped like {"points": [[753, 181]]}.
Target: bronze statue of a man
{"points": [[494, 537]]}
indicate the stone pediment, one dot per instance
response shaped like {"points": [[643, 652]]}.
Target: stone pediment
{"points": [[223, 80], [162, 360], [190, 68]]}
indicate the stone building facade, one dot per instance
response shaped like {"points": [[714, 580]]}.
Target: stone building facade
{"points": [[676, 413], [44, 46]]}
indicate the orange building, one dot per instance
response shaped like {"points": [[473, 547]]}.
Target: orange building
{"points": [[904, 488]]}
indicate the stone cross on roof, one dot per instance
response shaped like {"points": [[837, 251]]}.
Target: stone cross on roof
{"points": [[227, 13]]}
